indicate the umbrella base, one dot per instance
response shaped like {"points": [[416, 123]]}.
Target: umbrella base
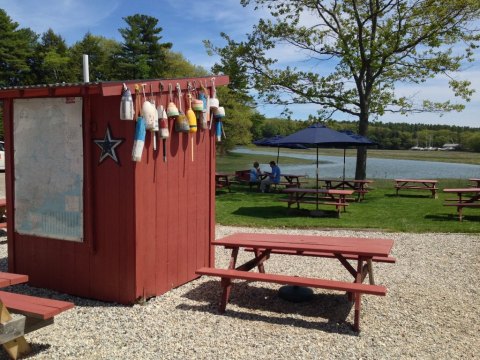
{"points": [[295, 294]]}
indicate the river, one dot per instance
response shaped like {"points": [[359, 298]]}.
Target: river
{"points": [[332, 167]]}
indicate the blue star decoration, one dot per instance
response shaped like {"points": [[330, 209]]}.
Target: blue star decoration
{"points": [[108, 145]]}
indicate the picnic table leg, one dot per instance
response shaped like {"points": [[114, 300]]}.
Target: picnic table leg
{"points": [[16, 347], [227, 283], [261, 268], [358, 296]]}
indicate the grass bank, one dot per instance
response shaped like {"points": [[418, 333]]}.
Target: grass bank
{"points": [[412, 211]]}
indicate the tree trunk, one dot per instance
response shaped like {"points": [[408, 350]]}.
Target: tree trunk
{"points": [[361, 167]]}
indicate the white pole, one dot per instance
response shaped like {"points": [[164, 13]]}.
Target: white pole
{"points": [[86, 72]]}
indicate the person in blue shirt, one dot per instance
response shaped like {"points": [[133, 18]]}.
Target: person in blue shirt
{"points": [[255, 173], [273, 177]]}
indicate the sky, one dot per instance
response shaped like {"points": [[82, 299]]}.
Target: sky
{"points": [[187, 23]]}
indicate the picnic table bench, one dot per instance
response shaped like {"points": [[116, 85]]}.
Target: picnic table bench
{"points": [[466, 198], [31, 313], [289, 180], [360, 187], [417, 184], [263, 245], [475, 182], [330, 197], [223, 180], [3, 213]]}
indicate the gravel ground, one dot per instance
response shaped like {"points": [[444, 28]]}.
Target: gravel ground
{"points": [[431, 311]]}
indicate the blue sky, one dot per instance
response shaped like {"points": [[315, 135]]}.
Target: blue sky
{"points": [[187, 23]]}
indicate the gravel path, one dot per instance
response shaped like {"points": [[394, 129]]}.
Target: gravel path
{"points": [[431, 311]]}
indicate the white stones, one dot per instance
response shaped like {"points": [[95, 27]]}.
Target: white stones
{"points": [[431, 311]]}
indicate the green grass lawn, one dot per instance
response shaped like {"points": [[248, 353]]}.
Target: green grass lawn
{"points": [[411, 211]]}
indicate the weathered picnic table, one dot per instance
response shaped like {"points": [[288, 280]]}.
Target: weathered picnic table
{"points": [[331, 197], [3, 213], [364, 251], [466, 198], [360, 187], [32, 313], [417, 184]]}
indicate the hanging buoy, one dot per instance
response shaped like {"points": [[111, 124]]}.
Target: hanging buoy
{"points": [[218, 131], [197, 105], [219, 113], [172, 110], [163, 123], [192, 119], [127, 111], [203, 96], [181, 123], [149, 114], [139, 141]]}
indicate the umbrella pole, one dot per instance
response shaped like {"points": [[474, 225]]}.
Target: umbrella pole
{"points": [[278, 153], [344, 151], [317, 178]]}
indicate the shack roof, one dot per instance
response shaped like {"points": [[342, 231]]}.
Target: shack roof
{"points": [[106, 88]]}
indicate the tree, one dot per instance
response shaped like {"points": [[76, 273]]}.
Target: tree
{"points": [[16, 48], [101, 57], [142, 55], [237, 122], [51, 60], [371, 46]]}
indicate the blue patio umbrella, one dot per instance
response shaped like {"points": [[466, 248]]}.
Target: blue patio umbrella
{"points": [[273, 142], [318, 135]]}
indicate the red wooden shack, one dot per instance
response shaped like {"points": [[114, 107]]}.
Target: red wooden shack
{"points": [[85, 219]]}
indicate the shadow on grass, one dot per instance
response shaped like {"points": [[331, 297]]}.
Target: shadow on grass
{"points": [[275, 212], [452, 217], [325, 312], [414, 196], [264, 212]]}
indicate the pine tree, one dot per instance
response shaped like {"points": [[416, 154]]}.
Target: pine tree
{"points": [[16, 50], [142, 55]]}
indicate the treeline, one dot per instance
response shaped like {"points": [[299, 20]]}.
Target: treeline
{"points": [[391, 136]]}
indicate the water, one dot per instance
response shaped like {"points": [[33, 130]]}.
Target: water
{"points": [[376, 168]]}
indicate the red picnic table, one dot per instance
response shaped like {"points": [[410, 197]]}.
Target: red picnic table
{"points": [[360, 187], [417, 184], [32, 313], [3, 213], [364, 251], [333, 197], [475, 182], [466, 197]]}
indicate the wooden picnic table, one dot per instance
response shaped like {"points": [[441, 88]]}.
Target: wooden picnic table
{"points": [[466, 197], [3, 213], [362, 250], [332, 197], [475, 182], [417, 184], [290, 180], [360, 187], [32, 313], [223, 180]]}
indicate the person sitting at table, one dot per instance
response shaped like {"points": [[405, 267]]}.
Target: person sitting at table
{"points": [[273, 177], [255, 173]]}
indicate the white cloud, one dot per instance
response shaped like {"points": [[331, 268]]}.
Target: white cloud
{"points": [[62, 16]]}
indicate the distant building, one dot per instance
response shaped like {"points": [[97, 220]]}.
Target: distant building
{"points": [[449, 147]]}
